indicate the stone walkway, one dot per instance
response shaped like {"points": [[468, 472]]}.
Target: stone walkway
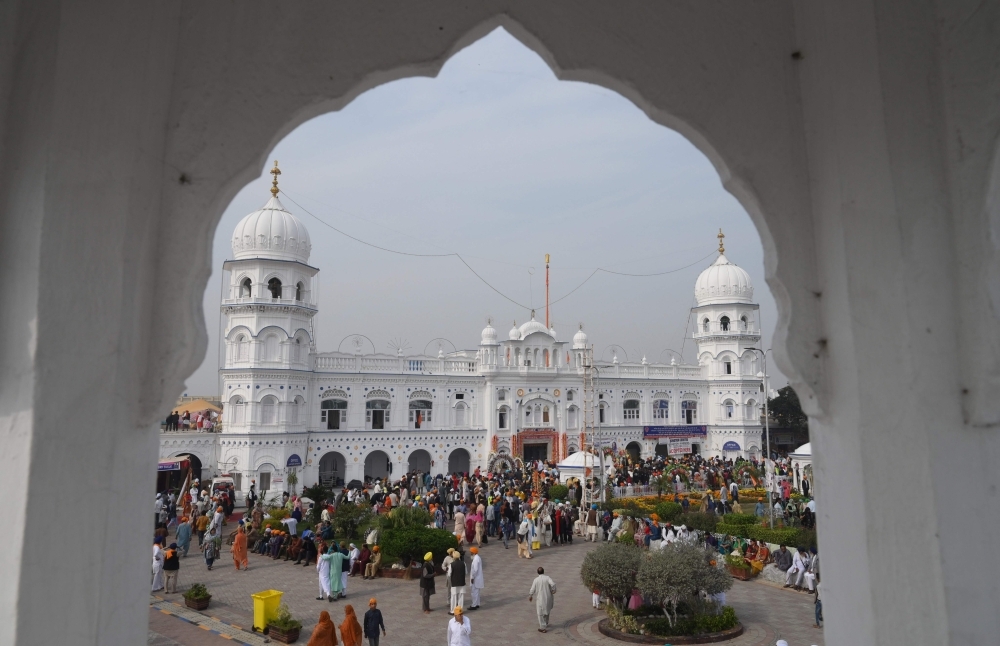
{"points": [[768, 613]]}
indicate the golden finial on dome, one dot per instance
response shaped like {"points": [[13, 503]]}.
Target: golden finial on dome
{"points": [[722, 249], [274, 183]]}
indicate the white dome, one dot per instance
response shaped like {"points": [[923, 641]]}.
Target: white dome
{"points": [[271, 232], [489, 335], [515, 333], [723, 282], [580, 340], [580, 459], [805, 449], [533, 326]]}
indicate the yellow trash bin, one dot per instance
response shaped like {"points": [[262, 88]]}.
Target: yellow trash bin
{"points": [[265, 607]]}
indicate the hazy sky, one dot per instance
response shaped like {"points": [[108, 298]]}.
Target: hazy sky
{"points": [[499, 161]]}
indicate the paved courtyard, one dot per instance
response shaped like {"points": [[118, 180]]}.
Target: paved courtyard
{"points": [[767, 612]]}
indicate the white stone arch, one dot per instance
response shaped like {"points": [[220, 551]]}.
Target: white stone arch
{"points": [[334, 393], [379, 394], [421, 394]]}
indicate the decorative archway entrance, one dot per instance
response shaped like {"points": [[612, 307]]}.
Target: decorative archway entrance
{"points": [[459, 461], [332, 469], [377, 465], [419, 460]]}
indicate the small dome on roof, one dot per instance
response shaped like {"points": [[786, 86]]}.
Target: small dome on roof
{"points": [[489, 334], [805, 449], [723, 282], [580, 339], [533, 326], [515, 333], [580, 459]]}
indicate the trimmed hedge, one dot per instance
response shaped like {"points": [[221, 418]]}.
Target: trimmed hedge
{"points": [[741, 519], [784, 536], [668, 511], [558, 492], [733, 530], [411, 543], [699, 520], [693, 625]]}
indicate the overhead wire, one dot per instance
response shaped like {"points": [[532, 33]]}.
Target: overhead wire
{"points": [[474, 272]]}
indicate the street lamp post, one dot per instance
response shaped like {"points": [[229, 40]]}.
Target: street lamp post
{"points": [[767, 432]]}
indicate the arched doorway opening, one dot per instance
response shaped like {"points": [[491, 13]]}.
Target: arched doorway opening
{"points": [[458, 461], [420, 460], [265, 473], [377, 465], [634, 449], [662, 450], [331, 469]]}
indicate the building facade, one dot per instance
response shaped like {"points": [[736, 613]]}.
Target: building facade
{"points": [[340, 416]]}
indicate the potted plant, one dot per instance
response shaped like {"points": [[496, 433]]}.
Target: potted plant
{"points": [[283, 627], [197, 597], [738, 567]]}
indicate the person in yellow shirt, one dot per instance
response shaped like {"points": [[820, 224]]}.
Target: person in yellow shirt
{"points": [[201, 524]]}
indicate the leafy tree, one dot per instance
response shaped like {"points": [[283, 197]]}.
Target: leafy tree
{"points": [[612, 569], [668, 511], [677, 574], [661, 483], [411, 543], [786, 411], [317, 493], [348, 518]]}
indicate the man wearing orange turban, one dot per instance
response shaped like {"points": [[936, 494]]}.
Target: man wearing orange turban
{"points": [[325, 633], [350, 629]]}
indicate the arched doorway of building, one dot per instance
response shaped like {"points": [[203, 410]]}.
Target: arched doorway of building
{"points": [[265, 473], [420, 460], [662, 450], [377, 465], [331, 469], [634, 449], [458, 461]]}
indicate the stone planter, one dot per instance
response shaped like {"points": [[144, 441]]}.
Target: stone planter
{"points": [[283, 636], [604, 626], [740, 573], [197, 604]]}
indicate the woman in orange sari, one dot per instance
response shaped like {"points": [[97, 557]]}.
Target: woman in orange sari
{"points": [[350, 629], [325, 633], [240, 549]]}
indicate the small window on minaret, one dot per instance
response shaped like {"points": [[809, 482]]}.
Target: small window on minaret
{"points": [[724, 323], [245, 288], [299, 288], [704, 325], [729, 367], [274, 286]]}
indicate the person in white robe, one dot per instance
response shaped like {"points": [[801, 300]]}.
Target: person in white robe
{"points": [[794, 575], [543, 589], [323, 571], [476, 580], [158, 578], [353, 555], [459, 629]]}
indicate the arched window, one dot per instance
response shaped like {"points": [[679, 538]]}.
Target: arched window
{"points": [[293, 410], [460, 415], [545, 415], [661, 410], [242, 349], [527, 415], [501, 395], [728, 408], [299, 290], [245, 288], [631, 409], [272, 348], [727, 366], [569, 395], [420, 413], [601, 413], [274, 286], [376, 414], [746, 323], [724, 323], [704, 325], [689, 411], [269, 410], [297, 351], [545, 356], [237, 411], [571, 417], [503, 418], [751, 412]]}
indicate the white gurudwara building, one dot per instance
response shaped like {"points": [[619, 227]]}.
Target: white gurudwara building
{"points": [[340, 416]]}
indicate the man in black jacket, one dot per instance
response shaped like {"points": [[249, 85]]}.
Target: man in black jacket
{"points": [[456, 576], [373, 621]]}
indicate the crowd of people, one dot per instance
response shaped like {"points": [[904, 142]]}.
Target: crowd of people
{"points": [[202, 421], [512, 506]]}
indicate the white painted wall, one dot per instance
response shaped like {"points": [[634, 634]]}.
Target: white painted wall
{"points": [[869, 165]]}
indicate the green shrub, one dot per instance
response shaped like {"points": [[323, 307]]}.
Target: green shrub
{"points": [[197, 591], [668, 511], [348, 518], [278, 513], [611, 569], [411, 543], [697, 625], [737, 562], [741, 519], [558, 492], [402, 517], [674, 577], [284, 621], [784, 536], [317, 493], [732, 530], [700, 520], [807, 538], [621, 621]]}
